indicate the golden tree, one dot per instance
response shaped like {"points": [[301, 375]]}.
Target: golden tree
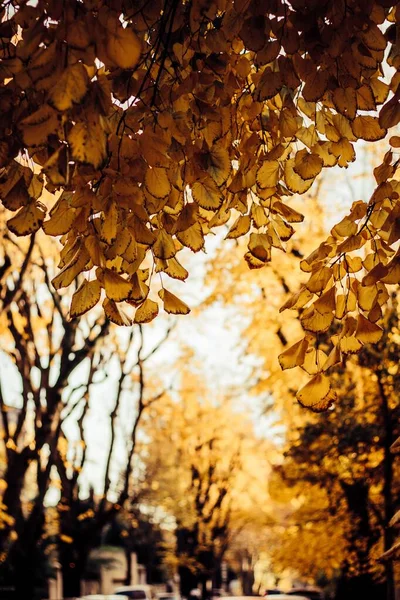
{"points": [[208, 479], [159, 122], [345, 459]]}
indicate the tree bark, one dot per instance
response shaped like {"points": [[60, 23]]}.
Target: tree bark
{"points": [[388, 504]]}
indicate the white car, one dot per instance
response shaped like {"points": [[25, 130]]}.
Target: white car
{"points": [[167, 596], [104, 597], [135, 592], [285, 597], [269, 597]]}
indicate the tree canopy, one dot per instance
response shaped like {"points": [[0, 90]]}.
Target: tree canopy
{"points": [[155, 122]]}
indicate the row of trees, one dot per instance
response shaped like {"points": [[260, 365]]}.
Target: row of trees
{"points": [[177, 459], [209, 483], [55, 366]]}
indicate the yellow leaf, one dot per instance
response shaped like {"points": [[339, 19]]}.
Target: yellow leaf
{"points": [[207, 194], [115, 315], [123, 46], [95, 250], [345, 101], [70, 88], [88, 142], [164, 246], [306, 165], [326, 303], [56, 168], [344, 304], [319, 279], [260, 247], [146, 312], [110, 223], [293, 356], [192, 237], [349, 344], [117, 288], [218, 164], [268, 174], [28, 219], [172, 304], [38, 126], [314, 360], [368, 128], [297, 300], [288, 213], [141, 233], [139, 290], [293, 181], [240, 227], [61, 218], [157, 182], [269, 85], [315, 321], [335, 357], [154, 147], [73, 268], [283, 230], [367, 332], [316, 394], [77, 35], [176, 270], [188, 217], [86, 296]]}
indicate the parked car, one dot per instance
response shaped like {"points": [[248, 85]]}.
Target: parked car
{"points": [[312, 593], [135, 592], [217, 593], [168, 596], [278, 596], [282, 596], [104, 597]]}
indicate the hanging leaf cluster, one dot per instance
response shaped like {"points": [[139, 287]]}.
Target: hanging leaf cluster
{"points": [[161, 120]]}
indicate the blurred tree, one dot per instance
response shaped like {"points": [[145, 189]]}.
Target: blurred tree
{"points": [[208, 476], [346, 454], [82, 520], [42, 349]]}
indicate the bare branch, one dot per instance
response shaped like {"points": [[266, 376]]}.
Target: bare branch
{"points": [[4, 415], [11, 294]]}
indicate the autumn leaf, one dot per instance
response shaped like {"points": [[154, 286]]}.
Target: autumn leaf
{"points": [[122, 45], [117, 288], [317, 394], [207, 195], [146, 312], [115, 314], [294, 356], [88, 142], [70, 87], [172, 304], [85, 298], [28, 219], [39, 125]]}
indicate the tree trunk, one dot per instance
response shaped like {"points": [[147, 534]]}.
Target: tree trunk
{"points": [[128, 578], [72, 573], [361, 537], [388, 461], [25, 556], [24, 577]]}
